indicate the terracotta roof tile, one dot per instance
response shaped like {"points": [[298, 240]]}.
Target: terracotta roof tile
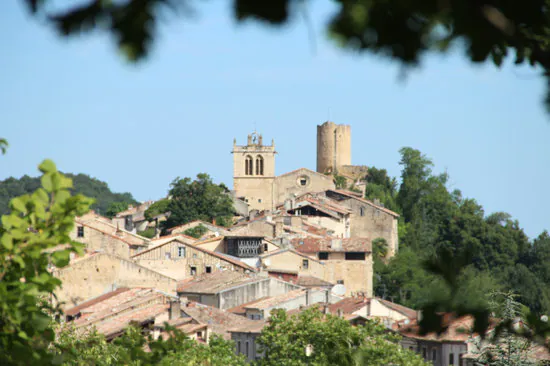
{"points": [[315, 245], [370, 203], [213, 283], [220, 321], [86, 304], [274, 301]]}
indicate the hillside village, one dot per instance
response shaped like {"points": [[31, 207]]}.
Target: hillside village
{"points": [[297, 240]]}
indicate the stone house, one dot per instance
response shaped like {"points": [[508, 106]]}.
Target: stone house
{"points": [[387, 312], [368, 219], [227, 289], [327, 214], [99, 273], [133, 219], [445, 349], [177, 258], [119, 243], [290, 261], [347, 262]]}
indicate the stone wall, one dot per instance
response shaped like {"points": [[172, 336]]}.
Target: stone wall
{"points": [[96, 240], [356, 274], [100, 273], [333, 147], [290, 185], [291, 261], [174, 262]]}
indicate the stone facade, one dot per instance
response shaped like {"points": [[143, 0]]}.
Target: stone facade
{"points": [[100, 273], [369, 220], [95, 239], [355, 275], [179, 260], [333, 147], [288, 260], [254, 172]]}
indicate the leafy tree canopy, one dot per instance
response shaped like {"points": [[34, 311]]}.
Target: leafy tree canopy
{"points": [[82, 184], [331, 341], [200, 199], [196, 232], [157, 208], [116, 207]]}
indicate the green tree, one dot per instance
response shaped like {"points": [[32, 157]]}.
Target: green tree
{"points": [[402, 31], [74, 347], [82, 184], [116, 207], [332, 341], [340, 182], [381, 187], [197, 231], [148, 233], [504, 348], [200, 199], [157, 208], [30, 238]]}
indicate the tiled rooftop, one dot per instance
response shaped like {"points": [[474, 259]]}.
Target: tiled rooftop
{"points": [[213, 283], [271, 302], [327, 244], [220, 321]]}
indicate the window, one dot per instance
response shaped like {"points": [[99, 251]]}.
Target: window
{"points": [[259, 200], [424, 353], [193, 270], [451, 358], [434, 354], [80, 232], [208, 269], [259, 165], [355, 256], [167, 255], [246, 349], [199, 335], [460, 359], [323, 255], [411, 348], [340, 282], [248, 166], [181, 252], [239, 347], [265, 247], [362, 211], [303, 181], [194, 255], [305, 264]]}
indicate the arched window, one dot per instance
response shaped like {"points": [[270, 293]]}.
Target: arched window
{"points": [[248, 166], [259, 165]]}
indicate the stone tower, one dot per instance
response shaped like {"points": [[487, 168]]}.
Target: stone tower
{"points": [[333, 147], [254, 172]]}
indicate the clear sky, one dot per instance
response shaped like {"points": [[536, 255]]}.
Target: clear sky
{"points": [[209, 80]]}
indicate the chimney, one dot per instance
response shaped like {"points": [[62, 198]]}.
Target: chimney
{"points": [[308, 296], [214, 221], [325, 309], [340, 313], [175, 310], [418, 315]]}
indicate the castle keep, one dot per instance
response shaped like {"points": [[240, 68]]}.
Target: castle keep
{"points": [[333, 147]]}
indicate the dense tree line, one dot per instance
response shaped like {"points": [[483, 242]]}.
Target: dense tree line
{"points": [[105, 200], [437, 222]]}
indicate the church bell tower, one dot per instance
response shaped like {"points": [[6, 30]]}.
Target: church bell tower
{"points": [[254, 172]]}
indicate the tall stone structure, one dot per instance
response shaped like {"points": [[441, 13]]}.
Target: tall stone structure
{"points": [[333, 147], [254, 172]]}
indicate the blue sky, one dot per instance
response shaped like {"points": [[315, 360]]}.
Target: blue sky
{"points": [[209, 80]]}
